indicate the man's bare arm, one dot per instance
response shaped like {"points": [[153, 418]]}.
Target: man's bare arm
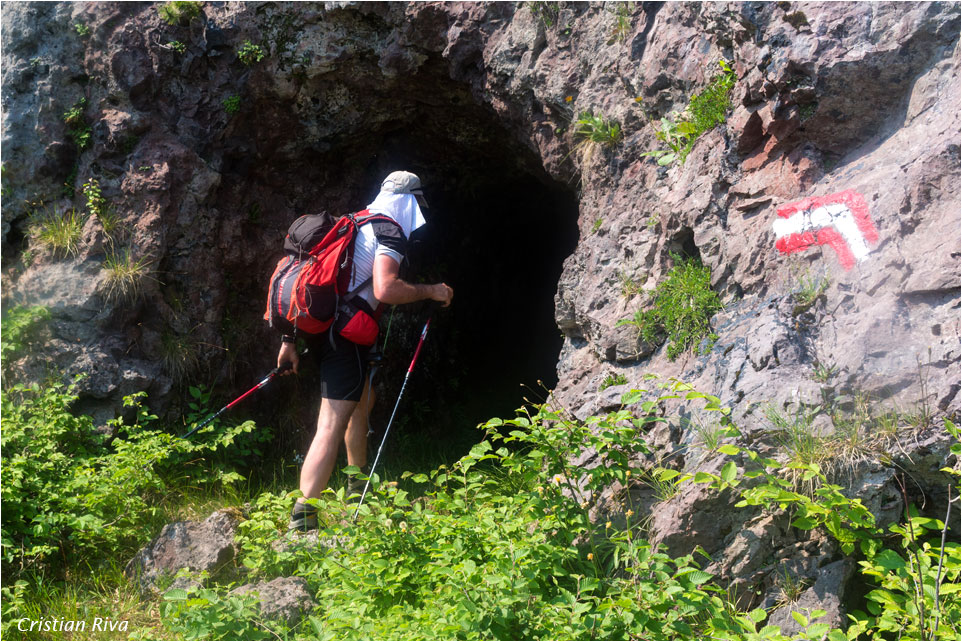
{"points": [[390, 288]]}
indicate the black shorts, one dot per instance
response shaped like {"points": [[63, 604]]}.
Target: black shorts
{"points": [[343, 367]]}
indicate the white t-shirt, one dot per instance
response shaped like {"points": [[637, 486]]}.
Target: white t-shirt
{"points": [[374, 239]]}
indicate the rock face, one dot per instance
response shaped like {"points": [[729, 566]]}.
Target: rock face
{"points": [[837, 172], [206, 546]]}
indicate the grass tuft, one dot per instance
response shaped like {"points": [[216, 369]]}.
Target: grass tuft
{"points": [[58, 231], [125, 276]]}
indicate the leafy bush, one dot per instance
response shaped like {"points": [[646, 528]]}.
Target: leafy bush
{"points": [[206, 614], [68, 492], [683, 306], [249, 53], [231, 104], [499, 546], [179, 11], [705, 110]]}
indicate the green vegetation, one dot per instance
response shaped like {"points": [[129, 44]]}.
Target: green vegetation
{"points": [[77, 128], [179, 355], [629, 286], [98, 207], [705, 110], [683, 306], [177, 46], [808, 291], [125, 276], [77, 504], [597, 225], [82, 30], [499, 545], [58, 231], [547, 12], [596, 129], [653, 221], [623, 12], [232, 104], [179, 12], [249, 53], [612, 380], [824, 372], [20, 334]]}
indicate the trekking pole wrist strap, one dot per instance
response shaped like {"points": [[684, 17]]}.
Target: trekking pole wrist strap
{"points": [[286, 338]]}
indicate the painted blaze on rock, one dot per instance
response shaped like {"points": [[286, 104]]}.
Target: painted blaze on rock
{"points": [[840, 221]]}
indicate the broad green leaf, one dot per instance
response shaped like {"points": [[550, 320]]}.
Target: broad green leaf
{"points": [[728, 472], [805, 523]]}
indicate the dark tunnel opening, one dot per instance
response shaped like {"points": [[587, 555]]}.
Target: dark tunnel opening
{"points": [[499, 229]]}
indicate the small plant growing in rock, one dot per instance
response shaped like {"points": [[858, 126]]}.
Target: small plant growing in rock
{"points": [[77, 128], [622, 11], [178, 354], [824, 372], [249, 53], [82, 30], [177, 46], [125, 276], [612, 380], [597, 129], [810, 289], [58, 231], [96, 203], [653, 221], [97, 206], [179, 12], [232, 104], [683, 306], [597, 225], [548, 12], [630, 287], [705, 110]]}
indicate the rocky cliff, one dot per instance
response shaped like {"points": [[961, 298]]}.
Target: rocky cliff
{"points": [[826, 206]]}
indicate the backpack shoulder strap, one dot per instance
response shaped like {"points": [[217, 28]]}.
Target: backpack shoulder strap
{"points": [[365, 216]]}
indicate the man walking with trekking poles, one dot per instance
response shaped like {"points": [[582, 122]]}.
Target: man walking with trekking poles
{"points": [[335, 312]]}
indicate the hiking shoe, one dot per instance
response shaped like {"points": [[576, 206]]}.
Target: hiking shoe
{"points": [[355, 483], [303, 518]]}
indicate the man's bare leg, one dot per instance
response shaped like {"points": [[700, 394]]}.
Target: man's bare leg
{"points": [[355, 439], [332, 422]]}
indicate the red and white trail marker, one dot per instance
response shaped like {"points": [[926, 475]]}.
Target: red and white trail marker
{"points": [[840, 221]]}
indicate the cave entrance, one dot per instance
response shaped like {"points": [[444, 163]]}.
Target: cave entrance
{"points": [[499, 229], [498, 232]]}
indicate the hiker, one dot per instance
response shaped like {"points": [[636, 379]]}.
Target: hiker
{"points": [[346, 394]]}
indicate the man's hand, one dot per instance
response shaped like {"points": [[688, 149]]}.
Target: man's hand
{"points": [[443, 293], [288, 353]]}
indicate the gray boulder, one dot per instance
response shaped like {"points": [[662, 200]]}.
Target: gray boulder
{"points": [[283, 598], [206, 546]]}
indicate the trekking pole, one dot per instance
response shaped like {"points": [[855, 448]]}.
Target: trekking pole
{"points": [[417, 351], [284, 367]]}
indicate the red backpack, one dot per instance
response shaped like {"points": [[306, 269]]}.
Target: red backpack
{"points": [[308, 289]]}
